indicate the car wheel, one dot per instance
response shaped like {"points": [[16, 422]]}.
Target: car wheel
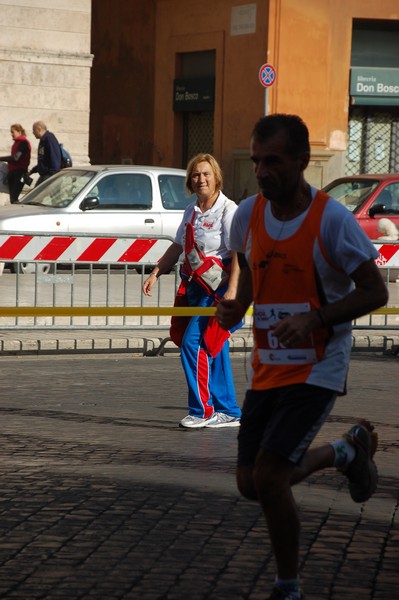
{"points": [[43, 268]]}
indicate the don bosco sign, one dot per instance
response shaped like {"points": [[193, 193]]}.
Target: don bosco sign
{"points": [[193, 94], [378, 85]]}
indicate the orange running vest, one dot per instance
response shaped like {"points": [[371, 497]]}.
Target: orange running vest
{"points": [[284, 283]]}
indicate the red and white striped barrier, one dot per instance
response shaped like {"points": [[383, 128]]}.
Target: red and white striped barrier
{"points": [[46, 248], [67, 249], [388, 254]]}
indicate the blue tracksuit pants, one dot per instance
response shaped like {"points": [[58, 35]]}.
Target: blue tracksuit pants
{"points": [[210, 380]]}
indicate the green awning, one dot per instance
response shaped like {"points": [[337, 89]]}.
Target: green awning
{"points": [[374, 101]]}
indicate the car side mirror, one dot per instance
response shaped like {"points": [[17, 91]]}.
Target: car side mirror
{"points": [[376, 209], [89, 203]]}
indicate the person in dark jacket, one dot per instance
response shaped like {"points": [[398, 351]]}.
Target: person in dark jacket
{"points": [[48, 153], [18, 161]]}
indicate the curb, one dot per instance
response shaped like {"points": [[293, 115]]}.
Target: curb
{"points": [[147, 344]]}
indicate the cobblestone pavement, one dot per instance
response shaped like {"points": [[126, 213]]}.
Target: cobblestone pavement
{"points": [[104, 497]]}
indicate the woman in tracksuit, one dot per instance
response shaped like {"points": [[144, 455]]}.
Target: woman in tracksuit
{"points": [[209, 272]]}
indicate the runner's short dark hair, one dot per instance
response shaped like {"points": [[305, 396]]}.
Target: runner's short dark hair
{"points": [[297, 131]]}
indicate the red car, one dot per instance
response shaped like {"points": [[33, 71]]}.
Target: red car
{"points": [[370, 198]]}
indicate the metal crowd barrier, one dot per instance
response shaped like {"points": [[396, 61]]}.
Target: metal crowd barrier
{"points": [[94, 282], [86, 271]]}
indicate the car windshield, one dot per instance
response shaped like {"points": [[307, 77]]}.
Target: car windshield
{"points": [[352, 193], [60, 190]]}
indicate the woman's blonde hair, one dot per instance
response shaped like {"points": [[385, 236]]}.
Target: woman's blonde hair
{"points": [[204, 157], [18, 127]]}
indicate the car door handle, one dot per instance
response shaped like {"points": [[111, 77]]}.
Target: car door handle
{"points": [[148, 220]]}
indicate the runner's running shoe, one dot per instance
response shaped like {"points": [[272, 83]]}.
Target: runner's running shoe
{"points": [[279, 594], [362, 472]]}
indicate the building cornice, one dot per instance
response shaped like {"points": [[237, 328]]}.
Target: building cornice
{"points": [[54, 58]]}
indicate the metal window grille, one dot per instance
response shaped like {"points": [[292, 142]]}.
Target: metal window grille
{"points": [[198, 134], [373, 140]]}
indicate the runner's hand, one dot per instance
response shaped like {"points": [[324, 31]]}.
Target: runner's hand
{"points": [[229, 313]]}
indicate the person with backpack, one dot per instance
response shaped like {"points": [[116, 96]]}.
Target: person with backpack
{"points": [[49, 156], [18, 161]]}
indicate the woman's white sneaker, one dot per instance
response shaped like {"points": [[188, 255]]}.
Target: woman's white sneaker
{"points": [[220, 419], [192, 422]]}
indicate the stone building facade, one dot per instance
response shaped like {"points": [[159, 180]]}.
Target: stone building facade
{"points": [[45, 65]]}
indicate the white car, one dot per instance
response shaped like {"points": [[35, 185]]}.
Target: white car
{"points": [[102, 199], [136, 200]]}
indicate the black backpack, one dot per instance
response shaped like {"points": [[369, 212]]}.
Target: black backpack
{"points": [[66, 158]]}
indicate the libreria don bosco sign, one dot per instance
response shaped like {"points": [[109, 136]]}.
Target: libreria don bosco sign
{"points": [[194, 94], [375, 84]]}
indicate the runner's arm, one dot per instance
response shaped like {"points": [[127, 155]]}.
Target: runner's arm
{"points": [[230, 312], [369, 293]]}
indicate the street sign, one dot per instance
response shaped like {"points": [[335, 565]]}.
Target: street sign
{"points": [[267, 75]]}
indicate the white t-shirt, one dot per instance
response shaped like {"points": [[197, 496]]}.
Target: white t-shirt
{"points": [[347, 247], [212, 228]]}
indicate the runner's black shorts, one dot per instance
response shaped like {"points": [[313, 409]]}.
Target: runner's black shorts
{"points": [[282, 420]]}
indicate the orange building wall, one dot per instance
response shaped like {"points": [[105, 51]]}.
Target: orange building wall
{"points": [[309, 44], [185, 26], [136, 50]]}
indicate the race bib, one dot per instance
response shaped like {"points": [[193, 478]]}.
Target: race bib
{"points": [[270, 350]]}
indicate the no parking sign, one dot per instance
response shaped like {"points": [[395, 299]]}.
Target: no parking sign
{"points": [[267, 75]]}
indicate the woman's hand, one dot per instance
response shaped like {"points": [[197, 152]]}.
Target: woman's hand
{"points": [[168, 260], [149, 284], [230, 294]]}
